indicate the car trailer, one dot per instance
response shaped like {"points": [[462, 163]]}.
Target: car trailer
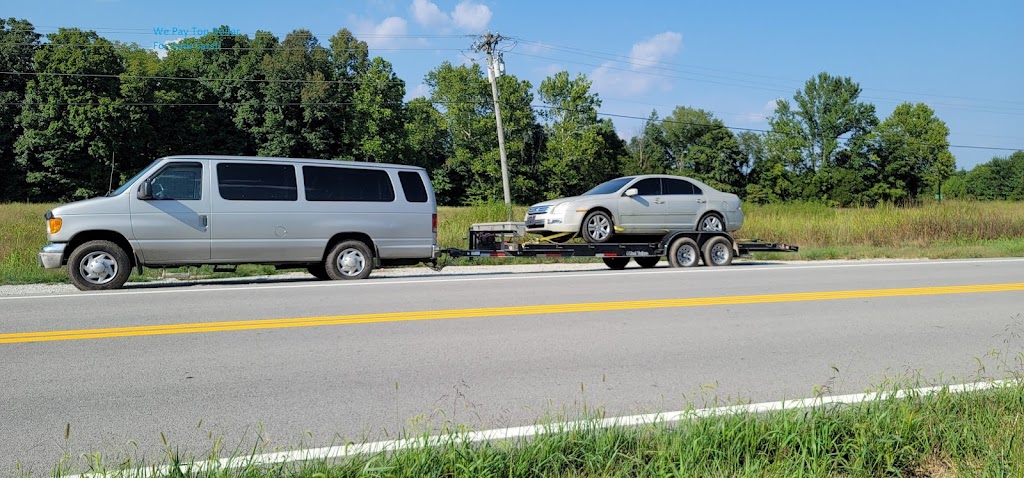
{"points": [[683, 248]]}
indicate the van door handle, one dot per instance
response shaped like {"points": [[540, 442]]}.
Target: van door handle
{"points": [[202, 220]]}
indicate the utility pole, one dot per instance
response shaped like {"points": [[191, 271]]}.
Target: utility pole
{"points": [[487, 43]]}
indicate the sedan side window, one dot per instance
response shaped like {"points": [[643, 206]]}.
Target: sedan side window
{"points": [[648, 187], [680, 186]]}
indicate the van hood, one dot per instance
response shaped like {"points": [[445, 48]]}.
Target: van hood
{"points": [[97, 205]]}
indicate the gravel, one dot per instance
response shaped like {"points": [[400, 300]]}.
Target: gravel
{"points": [[418, 271]]}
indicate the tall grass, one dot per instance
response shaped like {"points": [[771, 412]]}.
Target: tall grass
{"points": [[940, 434], [950, 229]]}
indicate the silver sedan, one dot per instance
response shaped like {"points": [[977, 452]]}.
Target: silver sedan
{"points": [[639, 205]]}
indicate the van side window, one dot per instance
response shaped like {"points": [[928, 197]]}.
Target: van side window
{"points": [[325, 183], [412, 184], [257, 182], [178, 181]]}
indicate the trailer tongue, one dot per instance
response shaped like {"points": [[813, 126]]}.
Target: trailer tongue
{"points": [[682, 248]]}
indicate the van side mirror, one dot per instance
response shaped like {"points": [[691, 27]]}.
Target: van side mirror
{"points": [[146, 190], [632, 192]]}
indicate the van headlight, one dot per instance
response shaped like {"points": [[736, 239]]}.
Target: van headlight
{"points": [[560, 208]]}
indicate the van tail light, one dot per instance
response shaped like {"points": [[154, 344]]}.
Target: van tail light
{"points": [[434, 220]]}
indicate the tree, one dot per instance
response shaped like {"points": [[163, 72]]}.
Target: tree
{"points": [[18, 43], [71, 119], [912, 152], [472, 171], [704, 148], [806, 140], [648, 151], [428, 142], [576, 159], [380, 114]]}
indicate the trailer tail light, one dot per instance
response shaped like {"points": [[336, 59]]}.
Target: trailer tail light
{"points": [[434, 221]]}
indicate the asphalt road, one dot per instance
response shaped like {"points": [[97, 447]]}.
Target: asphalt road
{"points": [[376, 358]]}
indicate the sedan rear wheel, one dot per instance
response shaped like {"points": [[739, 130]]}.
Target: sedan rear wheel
{"points": [[712, 223]]}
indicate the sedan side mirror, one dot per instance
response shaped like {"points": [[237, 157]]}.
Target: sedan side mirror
{"points": [[146, 190], [632, 192]]}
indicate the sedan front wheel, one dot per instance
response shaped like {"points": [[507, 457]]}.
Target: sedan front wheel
{"points": [[597, 227]]}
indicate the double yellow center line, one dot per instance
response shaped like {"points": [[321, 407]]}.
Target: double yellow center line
{"points": [[238, 325]]}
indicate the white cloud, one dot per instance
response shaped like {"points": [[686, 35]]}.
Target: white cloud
{"points": [[471, 16], [757, 117], [428, 14], [389, 33], [617, 81], [164, 47], [550, 70], [420, 90], [658, 48], [467, 15]]}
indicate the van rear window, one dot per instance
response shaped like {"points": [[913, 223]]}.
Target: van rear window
{"points": [[256, 182], [413, 186], [347, 184]]}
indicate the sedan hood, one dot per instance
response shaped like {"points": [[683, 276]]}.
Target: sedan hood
{"points": [[554, 202]]}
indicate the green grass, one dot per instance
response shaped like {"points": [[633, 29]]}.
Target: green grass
{"points": [[951, 229], [939, 434]]}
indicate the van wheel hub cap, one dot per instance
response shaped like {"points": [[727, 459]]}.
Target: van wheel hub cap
{"points": [[98, 267], [351, 262]]}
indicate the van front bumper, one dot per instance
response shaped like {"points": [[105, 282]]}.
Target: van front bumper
{"points": [[52, 255]]}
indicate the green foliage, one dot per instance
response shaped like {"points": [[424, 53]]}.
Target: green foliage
{"points": [[702, 147], [98, 111], [648, 151], [579, 155], [18, 43], [73, 124], [912, 153]]}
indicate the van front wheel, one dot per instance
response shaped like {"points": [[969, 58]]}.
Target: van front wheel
{"points": [[349, 260], [99, 265]]}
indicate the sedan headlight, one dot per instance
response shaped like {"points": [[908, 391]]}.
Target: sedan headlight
{"points": [[560, 207]]}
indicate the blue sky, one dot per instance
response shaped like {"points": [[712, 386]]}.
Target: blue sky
{"points": [[964, 59]]}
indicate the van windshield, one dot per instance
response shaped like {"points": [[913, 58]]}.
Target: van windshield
{"points": [[127, 184]]}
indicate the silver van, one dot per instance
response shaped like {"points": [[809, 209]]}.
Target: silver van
{"points": [[337, 219]]}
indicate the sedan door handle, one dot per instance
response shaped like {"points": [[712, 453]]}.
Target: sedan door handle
{"points": [[702, 200]]}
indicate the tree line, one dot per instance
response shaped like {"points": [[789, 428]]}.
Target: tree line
{"points": [[79, 114]]}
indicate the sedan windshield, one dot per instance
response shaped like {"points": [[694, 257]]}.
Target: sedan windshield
{"points": [[610, 186]]}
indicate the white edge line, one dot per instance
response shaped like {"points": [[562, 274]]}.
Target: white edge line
{"points": [[343, 451], [383, 281]]}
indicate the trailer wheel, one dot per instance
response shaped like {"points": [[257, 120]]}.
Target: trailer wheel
{"points": [[349, 260], [647, 262], [683, 253], [617, 263], [718, 252]]}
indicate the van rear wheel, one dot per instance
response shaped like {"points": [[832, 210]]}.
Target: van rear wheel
{"points": [[99, 265], [349, 260], [319, 271]]}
